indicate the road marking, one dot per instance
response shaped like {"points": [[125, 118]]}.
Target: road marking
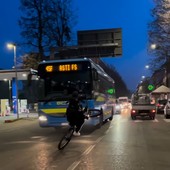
{"points": [[88, 150], [99, 139], [74, 165], [85, 153]]}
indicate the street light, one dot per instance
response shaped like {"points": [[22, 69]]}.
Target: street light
{"points": [[143, 77], [13, 46], [153, 46], [147, 66]]}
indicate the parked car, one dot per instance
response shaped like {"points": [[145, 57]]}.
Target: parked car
{"points": [[160, 106], [167, 109]]}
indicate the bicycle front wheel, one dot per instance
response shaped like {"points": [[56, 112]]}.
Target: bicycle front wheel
{"points": [[65, 139]]}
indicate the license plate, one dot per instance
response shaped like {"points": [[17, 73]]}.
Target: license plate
{"points": [[143, 114]]}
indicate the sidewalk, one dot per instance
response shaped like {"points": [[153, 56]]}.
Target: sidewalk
{"points": [[13, 117]]}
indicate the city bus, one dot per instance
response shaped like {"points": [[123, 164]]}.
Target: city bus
{"points": [[57, 81]]}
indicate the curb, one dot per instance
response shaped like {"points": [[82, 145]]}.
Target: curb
{"points": [[10, 121]]}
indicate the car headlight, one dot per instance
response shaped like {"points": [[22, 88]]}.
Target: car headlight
{"points": [[42, 118]]}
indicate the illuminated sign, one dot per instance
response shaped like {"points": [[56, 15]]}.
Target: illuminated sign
{"points": [[68, 67], [111, 91], [63, 67], [49, 68], [150, 87]]}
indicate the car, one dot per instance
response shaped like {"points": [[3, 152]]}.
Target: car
{"points": [[117, 108], [160, 106], [167, 109]]}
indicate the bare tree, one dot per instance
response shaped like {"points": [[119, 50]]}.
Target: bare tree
{"points": [[159, 34], [46, 24], [30, 60]]}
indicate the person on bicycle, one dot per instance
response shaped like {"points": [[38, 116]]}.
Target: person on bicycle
{"points": [[75, 113]]}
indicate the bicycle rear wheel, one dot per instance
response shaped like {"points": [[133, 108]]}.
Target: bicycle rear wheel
{"points": [[65, 139]]}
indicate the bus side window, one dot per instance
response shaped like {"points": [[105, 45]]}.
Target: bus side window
{"points": [[95, 75]]}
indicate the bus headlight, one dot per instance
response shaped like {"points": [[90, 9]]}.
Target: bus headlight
{"points": [[42, 118]]}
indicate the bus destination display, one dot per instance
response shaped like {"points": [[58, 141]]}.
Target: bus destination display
{"points": [[63, 67]]}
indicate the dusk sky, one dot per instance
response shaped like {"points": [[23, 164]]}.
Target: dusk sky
{"points": [[132, 16]]}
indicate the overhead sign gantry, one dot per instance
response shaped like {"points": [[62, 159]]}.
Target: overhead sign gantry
{"points": [[94, 44]]}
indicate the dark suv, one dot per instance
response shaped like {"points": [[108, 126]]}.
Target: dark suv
{"points": [[160, 105]]}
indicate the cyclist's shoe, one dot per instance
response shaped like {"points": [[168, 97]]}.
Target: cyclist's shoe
{"points": [[76, 133]]}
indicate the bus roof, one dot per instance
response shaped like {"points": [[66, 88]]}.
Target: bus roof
{"points": [[65, 60]]}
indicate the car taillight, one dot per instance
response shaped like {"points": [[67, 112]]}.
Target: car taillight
{"points": [[153, 110], [133, 111]]}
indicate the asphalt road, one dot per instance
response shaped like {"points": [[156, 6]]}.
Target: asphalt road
{"points": [[122, 144]]}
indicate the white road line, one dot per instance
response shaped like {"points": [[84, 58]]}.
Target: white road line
{"points": [[88, 150], [85, 153], [74, 165], [99, 139]]}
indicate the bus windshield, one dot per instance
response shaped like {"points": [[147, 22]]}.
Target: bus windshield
{"points": [[63, 83]]}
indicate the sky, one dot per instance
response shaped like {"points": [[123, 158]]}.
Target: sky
{"points": [[132, 16]]}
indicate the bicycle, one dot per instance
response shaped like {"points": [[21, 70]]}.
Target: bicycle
{"points": [[69, 134], [66, 138]]}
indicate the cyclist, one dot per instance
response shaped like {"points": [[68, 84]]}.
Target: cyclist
{"points": [[75, 113]]}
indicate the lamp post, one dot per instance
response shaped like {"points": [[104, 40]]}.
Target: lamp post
{"points": [[13, 46]]}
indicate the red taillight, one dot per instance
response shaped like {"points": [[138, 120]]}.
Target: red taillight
{"points": [[153, 111], [133, 111]]}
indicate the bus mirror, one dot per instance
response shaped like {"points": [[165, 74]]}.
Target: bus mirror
{"points": [[29, 77], [95, 75]]}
